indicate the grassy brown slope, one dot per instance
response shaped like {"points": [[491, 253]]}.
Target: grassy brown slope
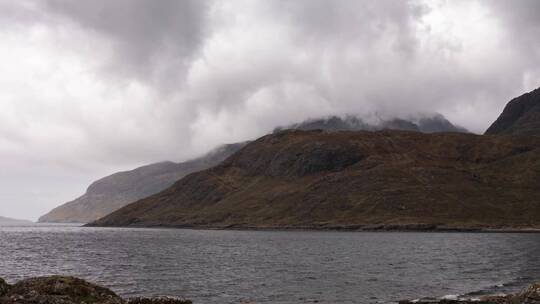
{"points": [[329, 179], [119, 189]]}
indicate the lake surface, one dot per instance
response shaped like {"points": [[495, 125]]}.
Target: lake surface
{"points": [[274, 266]]}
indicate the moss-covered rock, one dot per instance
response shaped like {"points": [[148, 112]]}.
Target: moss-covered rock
{"points": [[68, 290], [65, 288], [58, 290], [4, 287]]}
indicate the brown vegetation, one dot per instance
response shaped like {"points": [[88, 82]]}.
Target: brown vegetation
{"points": [[368, 180]]}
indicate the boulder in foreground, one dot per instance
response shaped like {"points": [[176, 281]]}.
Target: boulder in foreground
{"points": [[67, 290]]}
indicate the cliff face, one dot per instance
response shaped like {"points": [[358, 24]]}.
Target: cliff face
{"points": [[321, 179], [521, 116], [117, 190]]}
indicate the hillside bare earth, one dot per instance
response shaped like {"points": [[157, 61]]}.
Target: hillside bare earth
{"points": [[117, 190], [345, 179]]}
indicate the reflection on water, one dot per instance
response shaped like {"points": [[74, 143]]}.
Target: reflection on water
{"points": [[274, 266]]}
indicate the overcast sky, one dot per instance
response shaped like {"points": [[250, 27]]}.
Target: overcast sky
{"points": [[91, 87]]}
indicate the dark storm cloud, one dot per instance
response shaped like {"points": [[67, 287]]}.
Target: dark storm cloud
{"points": [[153, 40], [377, 43]]}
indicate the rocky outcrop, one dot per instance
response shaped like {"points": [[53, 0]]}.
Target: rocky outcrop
{"points": [[521, 116], [385, 180], [531, 295], [67, 290], [427, 124], [117, 190], [52, 290]]}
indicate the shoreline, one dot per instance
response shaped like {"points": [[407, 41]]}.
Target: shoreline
{"points": [[403, 228], [529, 295], [73, 290]]}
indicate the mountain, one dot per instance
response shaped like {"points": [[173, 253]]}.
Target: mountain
{"points": [[9, 221], [427, 124], [119, 189], [521, 116], [351, 179]]}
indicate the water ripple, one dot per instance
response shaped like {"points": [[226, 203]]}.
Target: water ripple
{"points": [[274, 267]]}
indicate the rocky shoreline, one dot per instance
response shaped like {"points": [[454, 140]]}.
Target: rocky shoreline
{"points": [[530, 295], [68, 290], [71, 290]]}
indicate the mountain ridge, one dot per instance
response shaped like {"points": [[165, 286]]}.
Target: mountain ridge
{"points": [[521, 116], [433, 123], [121, 188]]}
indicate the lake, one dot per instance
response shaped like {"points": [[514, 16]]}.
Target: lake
{"points": [[212, 266]]}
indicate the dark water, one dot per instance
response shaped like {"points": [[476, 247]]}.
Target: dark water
{"points": [[274, 267]]}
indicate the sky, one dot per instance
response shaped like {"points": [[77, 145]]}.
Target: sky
{"points": [[88, 88]]}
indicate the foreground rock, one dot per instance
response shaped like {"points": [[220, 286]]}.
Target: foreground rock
{"points": [[67, 290], [531, 295], [4, 287]]}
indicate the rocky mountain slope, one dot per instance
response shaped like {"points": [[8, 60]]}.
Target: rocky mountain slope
{"points": [[10, 221], [426, 124], [345, 179], [521, 116], [117, 190]]}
